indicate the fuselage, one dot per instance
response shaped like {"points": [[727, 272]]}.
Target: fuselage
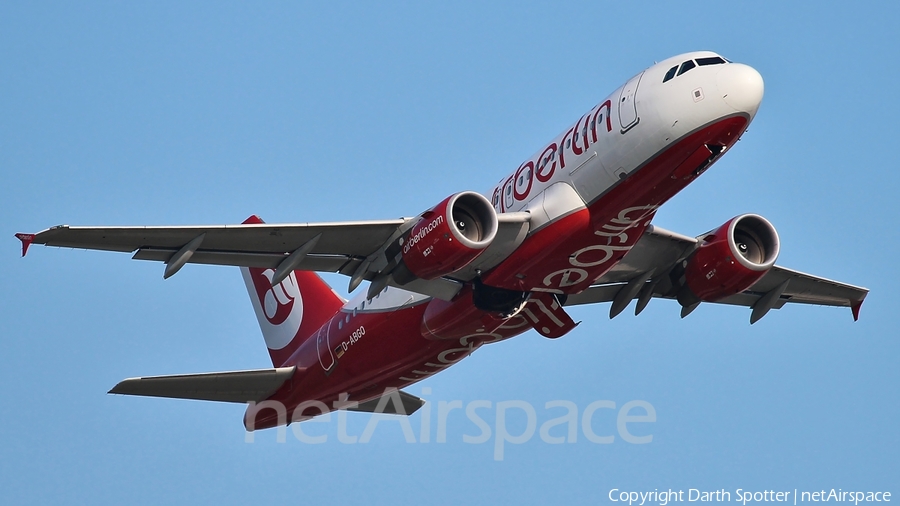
{"points": [[591, 193]]}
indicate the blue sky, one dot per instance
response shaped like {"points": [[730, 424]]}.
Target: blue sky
{"points": [[204, 113]]}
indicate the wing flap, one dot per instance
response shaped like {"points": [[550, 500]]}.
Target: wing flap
{"points": [[232, 386], [801, 288], [607, 293], [808, 289], [441, 288], [318, 263], [595, 294]]}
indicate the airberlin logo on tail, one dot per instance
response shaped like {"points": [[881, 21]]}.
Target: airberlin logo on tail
{"points": [[277, 301], [279, 308]]}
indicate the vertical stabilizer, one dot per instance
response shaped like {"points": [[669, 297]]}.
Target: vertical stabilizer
{"points": [[290, 311]]}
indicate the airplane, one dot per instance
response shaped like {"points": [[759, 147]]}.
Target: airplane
{"points": [[571, 225]]}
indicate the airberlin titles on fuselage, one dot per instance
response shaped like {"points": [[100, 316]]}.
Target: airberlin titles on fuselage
{"points": [[521, 185]]}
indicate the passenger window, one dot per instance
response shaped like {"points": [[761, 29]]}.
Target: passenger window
{"points": [[671, 73], [688, 65], [714, 60]]}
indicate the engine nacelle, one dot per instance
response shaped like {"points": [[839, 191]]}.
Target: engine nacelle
{"points": [[449, 236], [730, 259]]}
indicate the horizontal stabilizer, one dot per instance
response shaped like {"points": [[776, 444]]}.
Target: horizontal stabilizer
{"points": [[409, 404], [233, 386]]}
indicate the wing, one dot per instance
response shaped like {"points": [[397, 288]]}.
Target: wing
{"points": [[360, 249], [641, 274], [246, 245]]}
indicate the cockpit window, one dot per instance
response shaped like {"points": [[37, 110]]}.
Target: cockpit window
{"points": [[688, 65], [713, 60], [671, 73]]}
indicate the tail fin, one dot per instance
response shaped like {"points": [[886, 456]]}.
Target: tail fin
{"points": [[291, 311]]}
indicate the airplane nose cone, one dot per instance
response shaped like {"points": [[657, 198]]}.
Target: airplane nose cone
{"points": [[741, 87]]}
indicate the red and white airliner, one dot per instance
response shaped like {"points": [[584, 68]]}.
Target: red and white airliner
{"points": [[571, 225]]}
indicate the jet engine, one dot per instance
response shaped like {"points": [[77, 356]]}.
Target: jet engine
{"points": [[729, 260], [449, 236]]}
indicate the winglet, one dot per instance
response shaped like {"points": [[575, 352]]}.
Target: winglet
{"points": [[854, 307], [26, 241]]}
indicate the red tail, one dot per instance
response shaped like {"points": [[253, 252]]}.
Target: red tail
{"points": [[291, 311]]}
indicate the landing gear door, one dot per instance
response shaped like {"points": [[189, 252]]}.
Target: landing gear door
{"points": [[628, 115]]}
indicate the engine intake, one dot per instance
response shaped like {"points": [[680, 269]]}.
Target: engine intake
{"points": [[730, 259], [449, 236]]}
